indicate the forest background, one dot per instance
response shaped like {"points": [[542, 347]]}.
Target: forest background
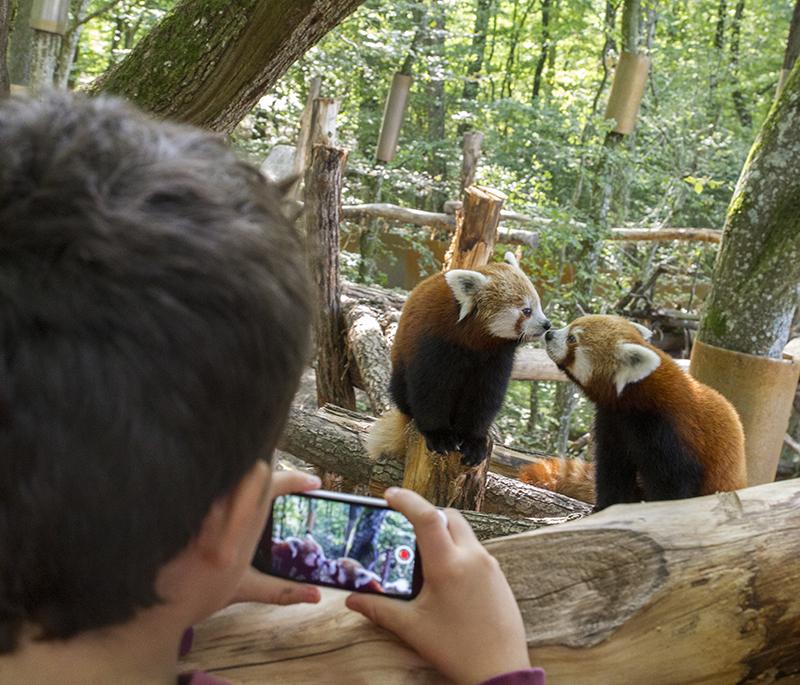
{"points": [[533, 76]]}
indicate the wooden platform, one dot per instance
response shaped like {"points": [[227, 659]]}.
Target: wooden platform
{"points": [[665, 593]]}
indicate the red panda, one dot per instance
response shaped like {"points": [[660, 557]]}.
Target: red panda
{"points": [[659, 433], [452, 357], [571, 477]]}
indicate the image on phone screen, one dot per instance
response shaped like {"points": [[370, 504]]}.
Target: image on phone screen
{"points": [[352, 545]]}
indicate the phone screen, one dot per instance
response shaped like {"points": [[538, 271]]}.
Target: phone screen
{"points": [[343, 541]]}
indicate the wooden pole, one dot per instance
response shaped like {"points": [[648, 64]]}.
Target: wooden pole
{"points": [[469, 163], [301, 152], [476, 228], [663, 593], [323, 201]]}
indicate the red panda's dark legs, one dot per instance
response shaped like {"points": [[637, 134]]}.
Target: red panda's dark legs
{"points": [[639, 455]]}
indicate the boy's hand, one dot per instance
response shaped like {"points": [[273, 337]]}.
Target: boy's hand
{"points": [[260, 587], [465, 621]]}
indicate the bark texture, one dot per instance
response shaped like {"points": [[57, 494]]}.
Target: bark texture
{"points": [[209, 61], [5, 83], [663, 593], [476, 228], [757, 272], [21, 40], [323, 204]]}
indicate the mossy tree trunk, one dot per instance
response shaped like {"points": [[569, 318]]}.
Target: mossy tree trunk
{"points": [[5, 17], [756, 276], [209, 61]]}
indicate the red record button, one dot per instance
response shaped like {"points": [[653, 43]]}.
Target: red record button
{"points": [[404, 554]]}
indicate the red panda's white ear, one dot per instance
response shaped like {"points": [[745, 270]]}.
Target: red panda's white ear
{"points": [[645, 332], [635, 363], [465, 285], [510, 258]]}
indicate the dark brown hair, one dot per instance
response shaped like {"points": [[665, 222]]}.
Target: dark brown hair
{"points": [[153, 327]]}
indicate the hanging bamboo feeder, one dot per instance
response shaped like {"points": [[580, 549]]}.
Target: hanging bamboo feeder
{"points": [[393, 115], [630, 79], [50, 15], [762, 390]]}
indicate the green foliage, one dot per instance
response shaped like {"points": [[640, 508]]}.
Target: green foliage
{"points": [[546, 153]]}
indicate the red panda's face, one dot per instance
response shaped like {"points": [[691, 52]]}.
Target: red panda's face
{"points": [[502, 298], [602, 354]]}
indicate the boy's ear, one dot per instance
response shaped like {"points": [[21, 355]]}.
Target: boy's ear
{"points": [[465, 285], [635, 363], [227, 531]]}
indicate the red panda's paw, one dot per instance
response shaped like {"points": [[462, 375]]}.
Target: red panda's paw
{"points": [[473, 451], [441, 441]]}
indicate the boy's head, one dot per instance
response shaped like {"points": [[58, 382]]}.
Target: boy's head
{"points": [[153, 327]]}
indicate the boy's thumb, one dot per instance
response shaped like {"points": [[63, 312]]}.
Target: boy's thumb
{"points": [[382, 611]]}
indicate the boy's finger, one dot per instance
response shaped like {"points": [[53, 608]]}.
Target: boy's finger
{"points": [[434, 542], [258, 587], [382, 611], [284, 482], [460, 530]]}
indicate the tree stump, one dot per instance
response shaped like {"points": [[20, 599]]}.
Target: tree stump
{"points": [[442, 479], [476, 228]]}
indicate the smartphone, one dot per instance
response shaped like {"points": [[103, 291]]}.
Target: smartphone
{"points": [[343, 541]]}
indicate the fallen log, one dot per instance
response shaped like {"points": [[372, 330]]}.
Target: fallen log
{"points": [[664, 593], [333, 439], [704, 235]]}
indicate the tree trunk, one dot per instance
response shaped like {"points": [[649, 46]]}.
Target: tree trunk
{"points": [[209, 61], [792, 48], [44, 55], [437, 160], [69, 43], [5, 18], [365, 540], [544, 50], [483, 10], [471, 154], [20, 44], [664, 593], [754, 292], [323, 205], [739, 101]]}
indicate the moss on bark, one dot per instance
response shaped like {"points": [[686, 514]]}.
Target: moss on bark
{"points": [[756, 277], [209, 61]]}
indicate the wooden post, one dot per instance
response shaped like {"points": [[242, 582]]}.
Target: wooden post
{"points": [[476, 228], [442, 479], [323, 202], [469, 162], [302, 150]]}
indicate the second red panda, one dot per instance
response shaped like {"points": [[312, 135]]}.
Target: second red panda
{"points": [[659, 433], [452, 356]]}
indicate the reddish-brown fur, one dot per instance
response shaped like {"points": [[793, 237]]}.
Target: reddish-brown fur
{"points": [[703, 418], [571, 477], [432, 309]]}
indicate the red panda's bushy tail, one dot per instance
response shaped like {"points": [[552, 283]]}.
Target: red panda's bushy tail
{"points": [[571, 477], [389, 435]]}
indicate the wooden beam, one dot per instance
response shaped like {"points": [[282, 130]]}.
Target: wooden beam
{"points": [[705, 235], [333, 439], [663, 593]]}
